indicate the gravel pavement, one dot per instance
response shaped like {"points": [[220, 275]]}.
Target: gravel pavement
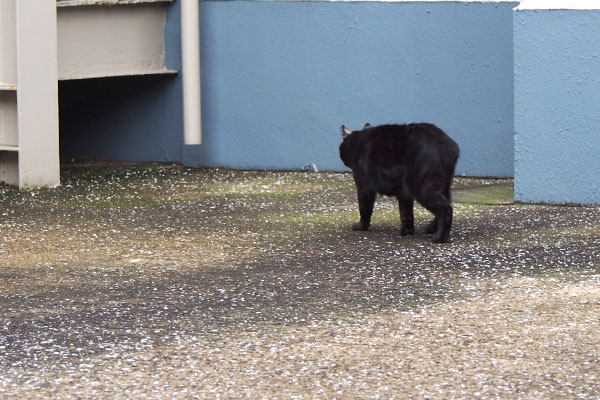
{"points": [[157, 281]]}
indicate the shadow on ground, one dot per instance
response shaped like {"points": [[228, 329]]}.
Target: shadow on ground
{"points": [[116, 277]]}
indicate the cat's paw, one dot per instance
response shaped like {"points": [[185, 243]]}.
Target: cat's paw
{"points": [[405, 231], [440, 238], [359, 226]]}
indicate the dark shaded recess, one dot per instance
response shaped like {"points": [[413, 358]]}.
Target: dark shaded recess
{"points": [[124, 118]]}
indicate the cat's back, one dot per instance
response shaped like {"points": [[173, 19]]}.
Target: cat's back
{"points": [[387, 145], [411, 135], [390, 144], [403, 137], [389, 131], [401, 132], [388, 135]]}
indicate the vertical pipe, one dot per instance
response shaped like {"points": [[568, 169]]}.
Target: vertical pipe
{"points": [[190, 54]]}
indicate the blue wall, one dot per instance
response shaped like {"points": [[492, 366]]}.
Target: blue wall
{"points": [[279, 78], [557, 106]]}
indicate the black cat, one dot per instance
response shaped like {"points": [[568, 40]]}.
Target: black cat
{"points": [[410, 162]]}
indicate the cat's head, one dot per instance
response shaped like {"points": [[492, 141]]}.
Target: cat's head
{"points": [[347, 132], [350, 148]]}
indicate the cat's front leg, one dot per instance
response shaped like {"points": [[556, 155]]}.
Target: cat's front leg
{"points": [[407, 219], [366, 201]]}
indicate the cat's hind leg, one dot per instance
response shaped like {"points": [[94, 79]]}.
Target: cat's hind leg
{"points": [[431, 227], [438, 204]]}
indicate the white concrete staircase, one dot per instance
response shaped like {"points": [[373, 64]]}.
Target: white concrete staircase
{"points": [[43, 41]]}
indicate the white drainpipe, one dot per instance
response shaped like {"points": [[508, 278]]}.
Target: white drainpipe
{"points": [[190, 54]]}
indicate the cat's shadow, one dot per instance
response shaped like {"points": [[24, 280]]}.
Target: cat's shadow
{"points": [[392, 232]]}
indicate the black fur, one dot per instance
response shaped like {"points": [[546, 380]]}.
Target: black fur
{"points": [[410, 162]]}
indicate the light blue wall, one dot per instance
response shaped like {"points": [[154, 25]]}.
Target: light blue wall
{"points": [[557, 106], [279, 78]]}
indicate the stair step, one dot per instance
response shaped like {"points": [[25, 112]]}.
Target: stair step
{"points": [[98, 42]]}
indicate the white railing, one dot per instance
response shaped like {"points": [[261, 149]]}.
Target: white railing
{"points": [[29, 154], [40, 45]]}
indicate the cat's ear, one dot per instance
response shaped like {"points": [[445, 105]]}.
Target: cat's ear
{"points": [[367, 126], [346, 132]]}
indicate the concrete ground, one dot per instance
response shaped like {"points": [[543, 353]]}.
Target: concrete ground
{"points": [[159, 281]]}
